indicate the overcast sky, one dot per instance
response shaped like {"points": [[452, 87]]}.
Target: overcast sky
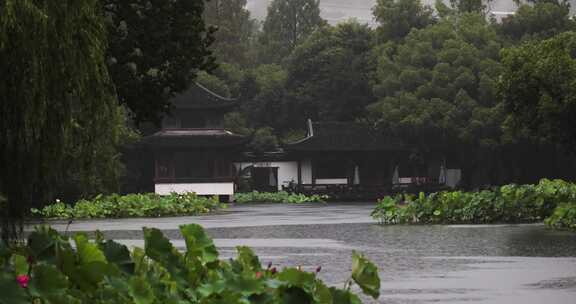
{"points": [[339, 10]]}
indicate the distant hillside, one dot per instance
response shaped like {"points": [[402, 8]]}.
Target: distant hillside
{"points": [[339, 10]]}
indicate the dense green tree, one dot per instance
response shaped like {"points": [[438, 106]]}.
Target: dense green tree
{"points": [[441, 80], [396, 18], [539, 20], [156, 48], [262, 96], [538, 88], [470, 6], [264, 140], [232, 75], [437, 90], [237, 123], [454, 7], [328, 75], [57, 102], [236, 30], [287, 24]]}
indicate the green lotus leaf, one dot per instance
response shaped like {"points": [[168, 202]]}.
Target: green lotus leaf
{"points": [[159, 249], [343, 297], [20, 264], [118, 255], [365, 274], [198, 243], [47, 281], [88, 252], [140, 291], [248, 259]]}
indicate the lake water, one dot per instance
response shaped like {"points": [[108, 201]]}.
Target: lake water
{"points": [[423, 264], [496, 264]]}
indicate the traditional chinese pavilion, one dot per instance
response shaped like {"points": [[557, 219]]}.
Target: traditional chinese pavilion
{"points": [[193, 152], [345, 157], [348, 161]]}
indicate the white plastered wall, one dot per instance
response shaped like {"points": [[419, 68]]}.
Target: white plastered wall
{"points": [[331, 181], [453, 177], [226, 188], [306, 171], [287, 170]]}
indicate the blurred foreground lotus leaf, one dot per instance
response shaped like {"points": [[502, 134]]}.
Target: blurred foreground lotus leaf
{"points": [[108, 272]]}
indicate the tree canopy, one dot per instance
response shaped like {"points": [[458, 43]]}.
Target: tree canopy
{"points": [[264, 90], [287, 24], [469, 6], [440, 83], [540, 20], [396, 18], [236, 30], [155, 50], [538, 88], [328, 75]]}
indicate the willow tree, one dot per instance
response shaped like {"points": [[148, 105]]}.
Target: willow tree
{"points": [[56, 98]]}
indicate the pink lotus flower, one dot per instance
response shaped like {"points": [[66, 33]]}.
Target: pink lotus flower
{"points": [[23, 280], [258, 274]]}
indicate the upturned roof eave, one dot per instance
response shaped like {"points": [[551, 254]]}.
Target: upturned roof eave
{"points": [[309, 136]]}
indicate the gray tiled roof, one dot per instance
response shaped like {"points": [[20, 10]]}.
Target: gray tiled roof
{"points": [[194, 138], [344, 136]]}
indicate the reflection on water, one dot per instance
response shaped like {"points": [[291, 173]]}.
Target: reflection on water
{"points": [[493, 240], [497, 264], [446, 264]]}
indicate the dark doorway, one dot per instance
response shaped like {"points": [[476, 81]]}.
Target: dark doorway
{"points": [[265, 179]]}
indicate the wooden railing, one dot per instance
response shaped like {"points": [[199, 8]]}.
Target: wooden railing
{"points": [[418, 180], [366, 192]]}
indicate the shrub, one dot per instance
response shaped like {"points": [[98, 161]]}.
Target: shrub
{"points": [[278, 197], [132, 205], [49, 269], [506, 204]]}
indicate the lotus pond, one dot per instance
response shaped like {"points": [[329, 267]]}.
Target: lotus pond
{"points": [[497, 264]]}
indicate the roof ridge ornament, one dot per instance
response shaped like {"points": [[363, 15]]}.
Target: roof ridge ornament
{"points": [[310, 128]]}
